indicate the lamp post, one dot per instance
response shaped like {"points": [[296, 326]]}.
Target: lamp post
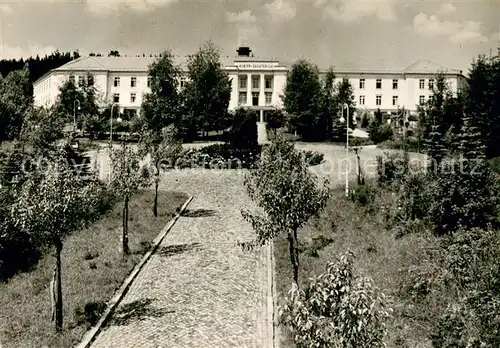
{"points": [[111, 125], [74, 113], [345, 106]]}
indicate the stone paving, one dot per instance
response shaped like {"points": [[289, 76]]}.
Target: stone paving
{"points": [[199, 289]]}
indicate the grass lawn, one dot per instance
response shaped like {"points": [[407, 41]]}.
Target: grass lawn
{"points": [[379, 255], [92, 269]]}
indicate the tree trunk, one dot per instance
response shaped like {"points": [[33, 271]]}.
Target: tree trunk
{"points": [[58, 295], [126, 250], [155, 205], [294, 255]]}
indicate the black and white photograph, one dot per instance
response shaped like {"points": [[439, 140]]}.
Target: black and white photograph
{"points": [[249, 174]]}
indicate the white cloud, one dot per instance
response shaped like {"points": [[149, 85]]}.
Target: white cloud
{"points": [[5, 8], [446, 8], [349, 11], [281, 10], [455, 31], [241, 17], [106, 6], [9, 52]]}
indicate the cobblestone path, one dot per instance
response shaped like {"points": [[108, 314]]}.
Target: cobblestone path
{"points": [[199, 289]]}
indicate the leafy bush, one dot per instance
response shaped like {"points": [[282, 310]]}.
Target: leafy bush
{"points": [[90, 313], [363, 195], [411, 143], [391, 167], [337, 310], [494, 164]]}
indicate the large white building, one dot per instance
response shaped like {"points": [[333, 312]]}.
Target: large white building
{"points": [[256, 82]]}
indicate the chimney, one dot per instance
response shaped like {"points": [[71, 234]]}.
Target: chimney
{"points": [[243, 51]]}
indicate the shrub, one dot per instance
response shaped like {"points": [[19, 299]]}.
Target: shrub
{"points": [[337, 310], [391, 167], [363, 195], [90, 313], [221, 156]]}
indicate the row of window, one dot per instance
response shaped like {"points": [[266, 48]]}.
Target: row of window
{"points": [[255, 98], [268, 81], [378, 83], [378, 100], [116, 81], [116, 98]]}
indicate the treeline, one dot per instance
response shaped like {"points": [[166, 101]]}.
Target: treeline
{"points": [[37, 66]]}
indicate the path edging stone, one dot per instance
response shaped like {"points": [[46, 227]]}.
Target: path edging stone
{"points": [[91, 334]]}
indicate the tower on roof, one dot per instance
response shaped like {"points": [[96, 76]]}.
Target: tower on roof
{"points": [[244, 51]]}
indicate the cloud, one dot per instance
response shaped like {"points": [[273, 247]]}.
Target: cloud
{"points": [[446, 8], [103, 7], [241, 17], [10, 52], [455, 31], [5, 8], [349, 11], [281, 10]]}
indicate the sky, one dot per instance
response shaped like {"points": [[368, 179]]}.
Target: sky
{"points": [[343, 34]]}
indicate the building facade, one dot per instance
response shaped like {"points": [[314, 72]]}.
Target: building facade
{"points": [[256, 83]]}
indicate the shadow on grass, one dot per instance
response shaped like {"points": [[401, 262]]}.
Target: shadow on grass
{"points": [[136, 311], [199, 213], [177, 249]]}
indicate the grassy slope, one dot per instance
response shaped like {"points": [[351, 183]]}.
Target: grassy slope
{"points": [[25, 308], [379, 255]]}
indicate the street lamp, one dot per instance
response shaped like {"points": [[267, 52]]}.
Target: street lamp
{"points": [[345, 106], [74, 113], [111, 125]]}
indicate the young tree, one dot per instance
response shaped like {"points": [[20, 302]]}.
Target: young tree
{"points": [[41, 130], [50, 205], [160, 107], [287, 192], [329, 105], [243, 133], [15, 100], [302, 96], [275, 119], [126, 177], [164, 150], [208, 90]]}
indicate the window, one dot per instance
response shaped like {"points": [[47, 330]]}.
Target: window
{"points": [[268, 98], [269, 82], [72, 79], [431, 84], [183, 82], [394, 84], [132, 98], [255, 81], [243, 82], [255, 99], [394, 100], [431, 98], [80, 81], [116, 98], [362, 83], [421, 83], [345, 80], [378, 84], [361, 100], [116, 82], [242, 98], [378, 100], [421, 99], [90, 81], [149, 81], [133, 81]]}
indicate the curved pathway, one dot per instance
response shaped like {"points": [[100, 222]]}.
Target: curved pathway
{"points": [[200, 289]]}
